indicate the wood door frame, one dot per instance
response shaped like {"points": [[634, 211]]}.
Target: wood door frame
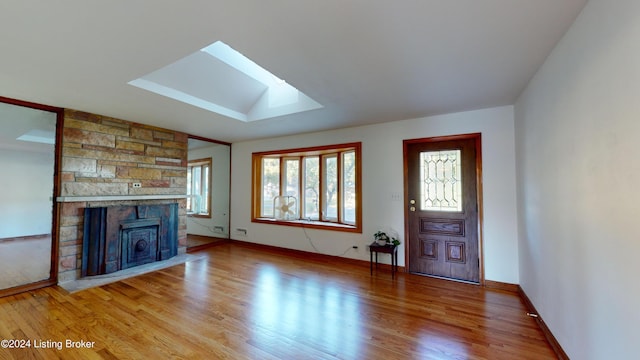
{"points": [[478, 139], [57, 166], [214, 141]]}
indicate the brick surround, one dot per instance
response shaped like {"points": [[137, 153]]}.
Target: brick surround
{"points": [[103, 156]]}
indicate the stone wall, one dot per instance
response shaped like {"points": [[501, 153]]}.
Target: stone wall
{"points": [[103, 157]]}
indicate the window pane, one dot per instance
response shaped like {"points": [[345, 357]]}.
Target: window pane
{"points": [[330, 188], [292, 178], [270, 184], [349, 187], [197, 189], [441, 188], [204, 209], [311, 180], [189, 203]]}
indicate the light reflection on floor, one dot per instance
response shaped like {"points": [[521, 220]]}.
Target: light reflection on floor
{"points": [[310, 310], [196, 271], [436, 346]]}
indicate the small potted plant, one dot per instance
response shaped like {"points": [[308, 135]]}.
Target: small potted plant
{"points": [[382, 238]]}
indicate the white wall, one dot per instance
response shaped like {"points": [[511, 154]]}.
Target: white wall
{"points": [[383, 176], [577, 128], [26, 188], [220, 167]]}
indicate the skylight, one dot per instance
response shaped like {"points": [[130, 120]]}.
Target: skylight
{"points": [[39, 136], [220, 79]]}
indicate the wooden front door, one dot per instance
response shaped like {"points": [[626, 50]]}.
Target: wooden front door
{"points": [[442, 186]]}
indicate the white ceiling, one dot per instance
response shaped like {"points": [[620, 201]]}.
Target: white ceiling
{"points": [[365, 61]]}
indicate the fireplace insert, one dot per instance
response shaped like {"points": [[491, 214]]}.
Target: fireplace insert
{"points": [[120, 237]]}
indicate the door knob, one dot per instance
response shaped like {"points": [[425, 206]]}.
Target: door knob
{"points": [[412, 202], [412, 208]]}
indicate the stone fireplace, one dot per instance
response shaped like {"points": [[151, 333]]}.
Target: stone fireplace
{"points": [[120, 237], [109, 163]]}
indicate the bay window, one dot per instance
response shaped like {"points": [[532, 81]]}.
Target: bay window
{"points": [[320, 187]]}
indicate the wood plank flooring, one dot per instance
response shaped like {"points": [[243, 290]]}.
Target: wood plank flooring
{"points": [[245, 302], [200, 242], [24, 260]]}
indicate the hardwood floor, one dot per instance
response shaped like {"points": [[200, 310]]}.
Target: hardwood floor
{"points": [[245, 302], [199, 242], [24, 260]]}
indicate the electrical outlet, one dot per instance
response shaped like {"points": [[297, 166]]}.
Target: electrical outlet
{"points": [[137, 185]]}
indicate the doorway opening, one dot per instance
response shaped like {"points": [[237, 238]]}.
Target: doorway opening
{"points": [[208, 193], [29, 156]]}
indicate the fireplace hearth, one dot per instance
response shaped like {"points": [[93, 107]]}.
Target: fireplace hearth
{"points": [[121, 237]]}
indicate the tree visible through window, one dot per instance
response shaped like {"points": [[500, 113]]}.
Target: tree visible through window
{"points": [[198, 187], [325, 182]]}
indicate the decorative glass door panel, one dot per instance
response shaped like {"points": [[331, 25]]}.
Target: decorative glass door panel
{"points": [[441, 188]]}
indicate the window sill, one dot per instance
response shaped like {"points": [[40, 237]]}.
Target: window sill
{"points": [[313, 224], [195, 215]]}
